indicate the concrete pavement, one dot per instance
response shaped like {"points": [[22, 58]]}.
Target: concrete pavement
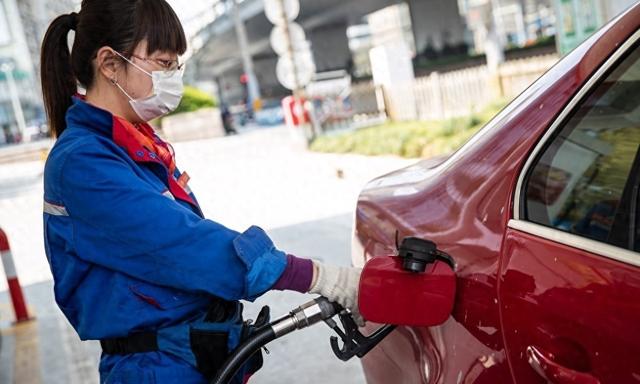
{"points": [[16, 153], [304, 200]]}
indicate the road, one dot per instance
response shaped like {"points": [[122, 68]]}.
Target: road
{"points": [[304, 200]]}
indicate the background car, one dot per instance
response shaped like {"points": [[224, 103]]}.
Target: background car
{"points": [[540, 212]]}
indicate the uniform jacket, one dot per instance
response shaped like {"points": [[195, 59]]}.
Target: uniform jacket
{"points": [[130, 249]]}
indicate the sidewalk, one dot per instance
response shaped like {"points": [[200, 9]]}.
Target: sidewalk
{"points": [[13, 153], [46, 349]]}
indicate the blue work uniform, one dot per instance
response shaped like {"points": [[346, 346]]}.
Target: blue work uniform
{"points": [[128, 255]]}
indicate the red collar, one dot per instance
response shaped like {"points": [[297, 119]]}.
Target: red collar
{"points": [[143, 145]]}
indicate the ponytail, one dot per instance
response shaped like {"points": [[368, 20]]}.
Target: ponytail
{"points": [[58, 81]]}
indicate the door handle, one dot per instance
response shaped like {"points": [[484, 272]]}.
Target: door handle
{"points": [[554, 372]]}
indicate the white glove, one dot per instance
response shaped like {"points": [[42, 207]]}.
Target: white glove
{"points": [[340, 285]]}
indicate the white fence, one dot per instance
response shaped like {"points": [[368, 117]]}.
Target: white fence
{"points": [[461, 92], [434, 97], [450, 94], [517, 75]]}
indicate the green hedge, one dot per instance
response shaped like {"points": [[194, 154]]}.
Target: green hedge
{"points": [[194, 99], [408, 139]]}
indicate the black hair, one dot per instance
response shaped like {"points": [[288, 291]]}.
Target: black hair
{"points": [[119, 24]]}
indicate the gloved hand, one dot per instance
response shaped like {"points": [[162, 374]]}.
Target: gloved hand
{"points": [[340, 285]]}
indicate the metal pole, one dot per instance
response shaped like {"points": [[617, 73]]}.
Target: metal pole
{"points": [[298, 92], [7, 69], [287, 33], [247, 62], [495, 34]]}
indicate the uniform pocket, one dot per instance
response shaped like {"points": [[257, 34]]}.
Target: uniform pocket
{"points": [[210, 350], [163, 298]]}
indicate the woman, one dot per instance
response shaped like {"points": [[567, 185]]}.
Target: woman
{"points": [[135, 263]]}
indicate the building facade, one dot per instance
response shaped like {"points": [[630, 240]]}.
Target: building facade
{"points": [[23, 24], [517, 23], [578, 19]]}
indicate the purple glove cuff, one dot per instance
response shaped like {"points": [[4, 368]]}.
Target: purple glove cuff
{"points": [[297, 275]]}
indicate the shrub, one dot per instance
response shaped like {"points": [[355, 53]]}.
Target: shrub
{"points": [[194, 99], [408, 139]]}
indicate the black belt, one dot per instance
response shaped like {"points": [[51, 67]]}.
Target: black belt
{"points": [[209, 347], [219, 310], [134, 343]]}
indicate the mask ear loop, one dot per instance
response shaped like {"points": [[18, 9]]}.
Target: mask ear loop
{"points": [[115, 82], [134, 64]]}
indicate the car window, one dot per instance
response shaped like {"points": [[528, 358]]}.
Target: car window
{"points": [[585, 181]]}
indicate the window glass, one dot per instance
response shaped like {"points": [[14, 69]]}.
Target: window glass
{"points": [[584, 181]]}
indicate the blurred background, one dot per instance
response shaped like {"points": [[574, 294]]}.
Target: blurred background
{"points": [[291, 106], [352, 63]]}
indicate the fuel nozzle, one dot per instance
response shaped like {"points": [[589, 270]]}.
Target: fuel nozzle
{"points": [[354, 343], [305, 315]]}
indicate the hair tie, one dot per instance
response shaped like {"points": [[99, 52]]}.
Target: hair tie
{"points": [[73, 20]]}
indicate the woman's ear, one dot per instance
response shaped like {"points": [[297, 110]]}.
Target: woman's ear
{"points": [[108, 63]]}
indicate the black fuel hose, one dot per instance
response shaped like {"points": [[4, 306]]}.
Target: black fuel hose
{"points": [[243, 353], [307, 314]]}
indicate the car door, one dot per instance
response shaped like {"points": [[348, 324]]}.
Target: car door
{"points": [[569, 289]]}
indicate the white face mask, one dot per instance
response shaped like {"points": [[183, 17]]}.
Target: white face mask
{"points": [[167, 93]]}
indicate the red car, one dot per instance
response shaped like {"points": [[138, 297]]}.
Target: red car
{"points": [[540, 211]]}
